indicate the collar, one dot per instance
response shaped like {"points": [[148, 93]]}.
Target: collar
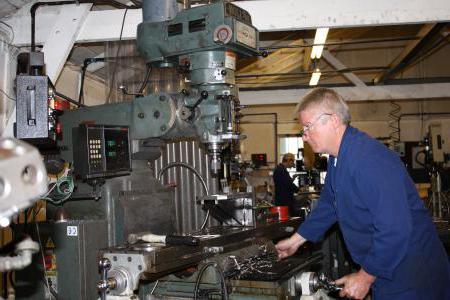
{"points": [[345, 142]]}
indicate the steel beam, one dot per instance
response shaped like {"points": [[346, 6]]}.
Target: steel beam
{"points": [[338, 65], [427, 32], [369, 93], [62, 37], [278, 15], [267, 15]]}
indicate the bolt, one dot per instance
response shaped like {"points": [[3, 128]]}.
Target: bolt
{"points": [[204, 94], [156, 114], [163, 128], [140, 268], [141, 115], [223, 72], [114, 258], [129, 258], [162, 98]]}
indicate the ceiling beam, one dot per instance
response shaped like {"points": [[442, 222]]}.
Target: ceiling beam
{"points": [[61, 39], [338, 65], [278, 15], [267, 15], [409, 52], [368, 93]]}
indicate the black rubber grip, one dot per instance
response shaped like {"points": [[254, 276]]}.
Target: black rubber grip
{"points": [[181, 240]]}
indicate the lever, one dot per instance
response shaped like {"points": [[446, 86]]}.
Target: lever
{"points": [[203, 96]]}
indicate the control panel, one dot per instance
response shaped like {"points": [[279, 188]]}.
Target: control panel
{"points": [[101, 151]]}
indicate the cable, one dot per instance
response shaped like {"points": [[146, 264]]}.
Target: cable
{"points": [[196, 173], [47, 283], [63, 187], [7, 96], [117, 54], [69, 99], [147, 76], [219, 271]]}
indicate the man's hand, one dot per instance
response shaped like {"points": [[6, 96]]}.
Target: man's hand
{"points": [[356, 285], [289, 246]]}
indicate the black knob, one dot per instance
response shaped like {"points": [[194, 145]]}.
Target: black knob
{"points": [[223, 72], [264, 54], [204, 94]]}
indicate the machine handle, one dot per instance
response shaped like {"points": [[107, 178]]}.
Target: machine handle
{"points": [[182, 240], [31, 105], [167, 239]]}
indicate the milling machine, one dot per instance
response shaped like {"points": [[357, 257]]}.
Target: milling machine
{"points": [[117, 195]]}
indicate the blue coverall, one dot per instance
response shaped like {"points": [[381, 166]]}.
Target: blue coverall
{"points": [[385, 225], [284, 188]]}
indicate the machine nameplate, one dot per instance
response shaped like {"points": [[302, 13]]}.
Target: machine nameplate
{"points": [[245, 34], [72, 231]]}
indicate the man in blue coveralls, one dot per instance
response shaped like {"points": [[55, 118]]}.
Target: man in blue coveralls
{"points": [[284, 185], [385, 225]]}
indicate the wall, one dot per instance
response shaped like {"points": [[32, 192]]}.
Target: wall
{"points": [[68, 84], [372, 117]]}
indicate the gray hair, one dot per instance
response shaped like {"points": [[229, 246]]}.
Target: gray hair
{"points": [[288, 156], [327, 98]]}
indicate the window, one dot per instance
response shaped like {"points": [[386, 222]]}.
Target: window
{"points": [[290, 144]]}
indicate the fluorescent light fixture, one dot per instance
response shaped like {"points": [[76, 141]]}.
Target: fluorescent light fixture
{"points": [[315, 77], [319, 40]]}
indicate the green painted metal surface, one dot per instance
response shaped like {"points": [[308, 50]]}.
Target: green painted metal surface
{"points": [[192, 30]]}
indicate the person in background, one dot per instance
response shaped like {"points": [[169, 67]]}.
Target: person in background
{"points": [[284, 185], [386, 227]]}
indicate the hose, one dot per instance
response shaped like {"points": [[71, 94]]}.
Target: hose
{"points": [[199, 176]]}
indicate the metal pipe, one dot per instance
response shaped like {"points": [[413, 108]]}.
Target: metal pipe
{"points": [[35, 6], [199, 176], [69, 99], [346, 70], [158, 10], [362, 41]]}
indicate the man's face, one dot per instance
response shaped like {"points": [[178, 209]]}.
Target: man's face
{"points": [[316, 126], [291, 162]]}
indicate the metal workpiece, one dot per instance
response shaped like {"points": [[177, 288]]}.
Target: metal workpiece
{"points": [[23, 178], [235, 209], [218, 198]]}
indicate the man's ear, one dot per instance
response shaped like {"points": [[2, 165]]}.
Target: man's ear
{"points": [[336, 121]]}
